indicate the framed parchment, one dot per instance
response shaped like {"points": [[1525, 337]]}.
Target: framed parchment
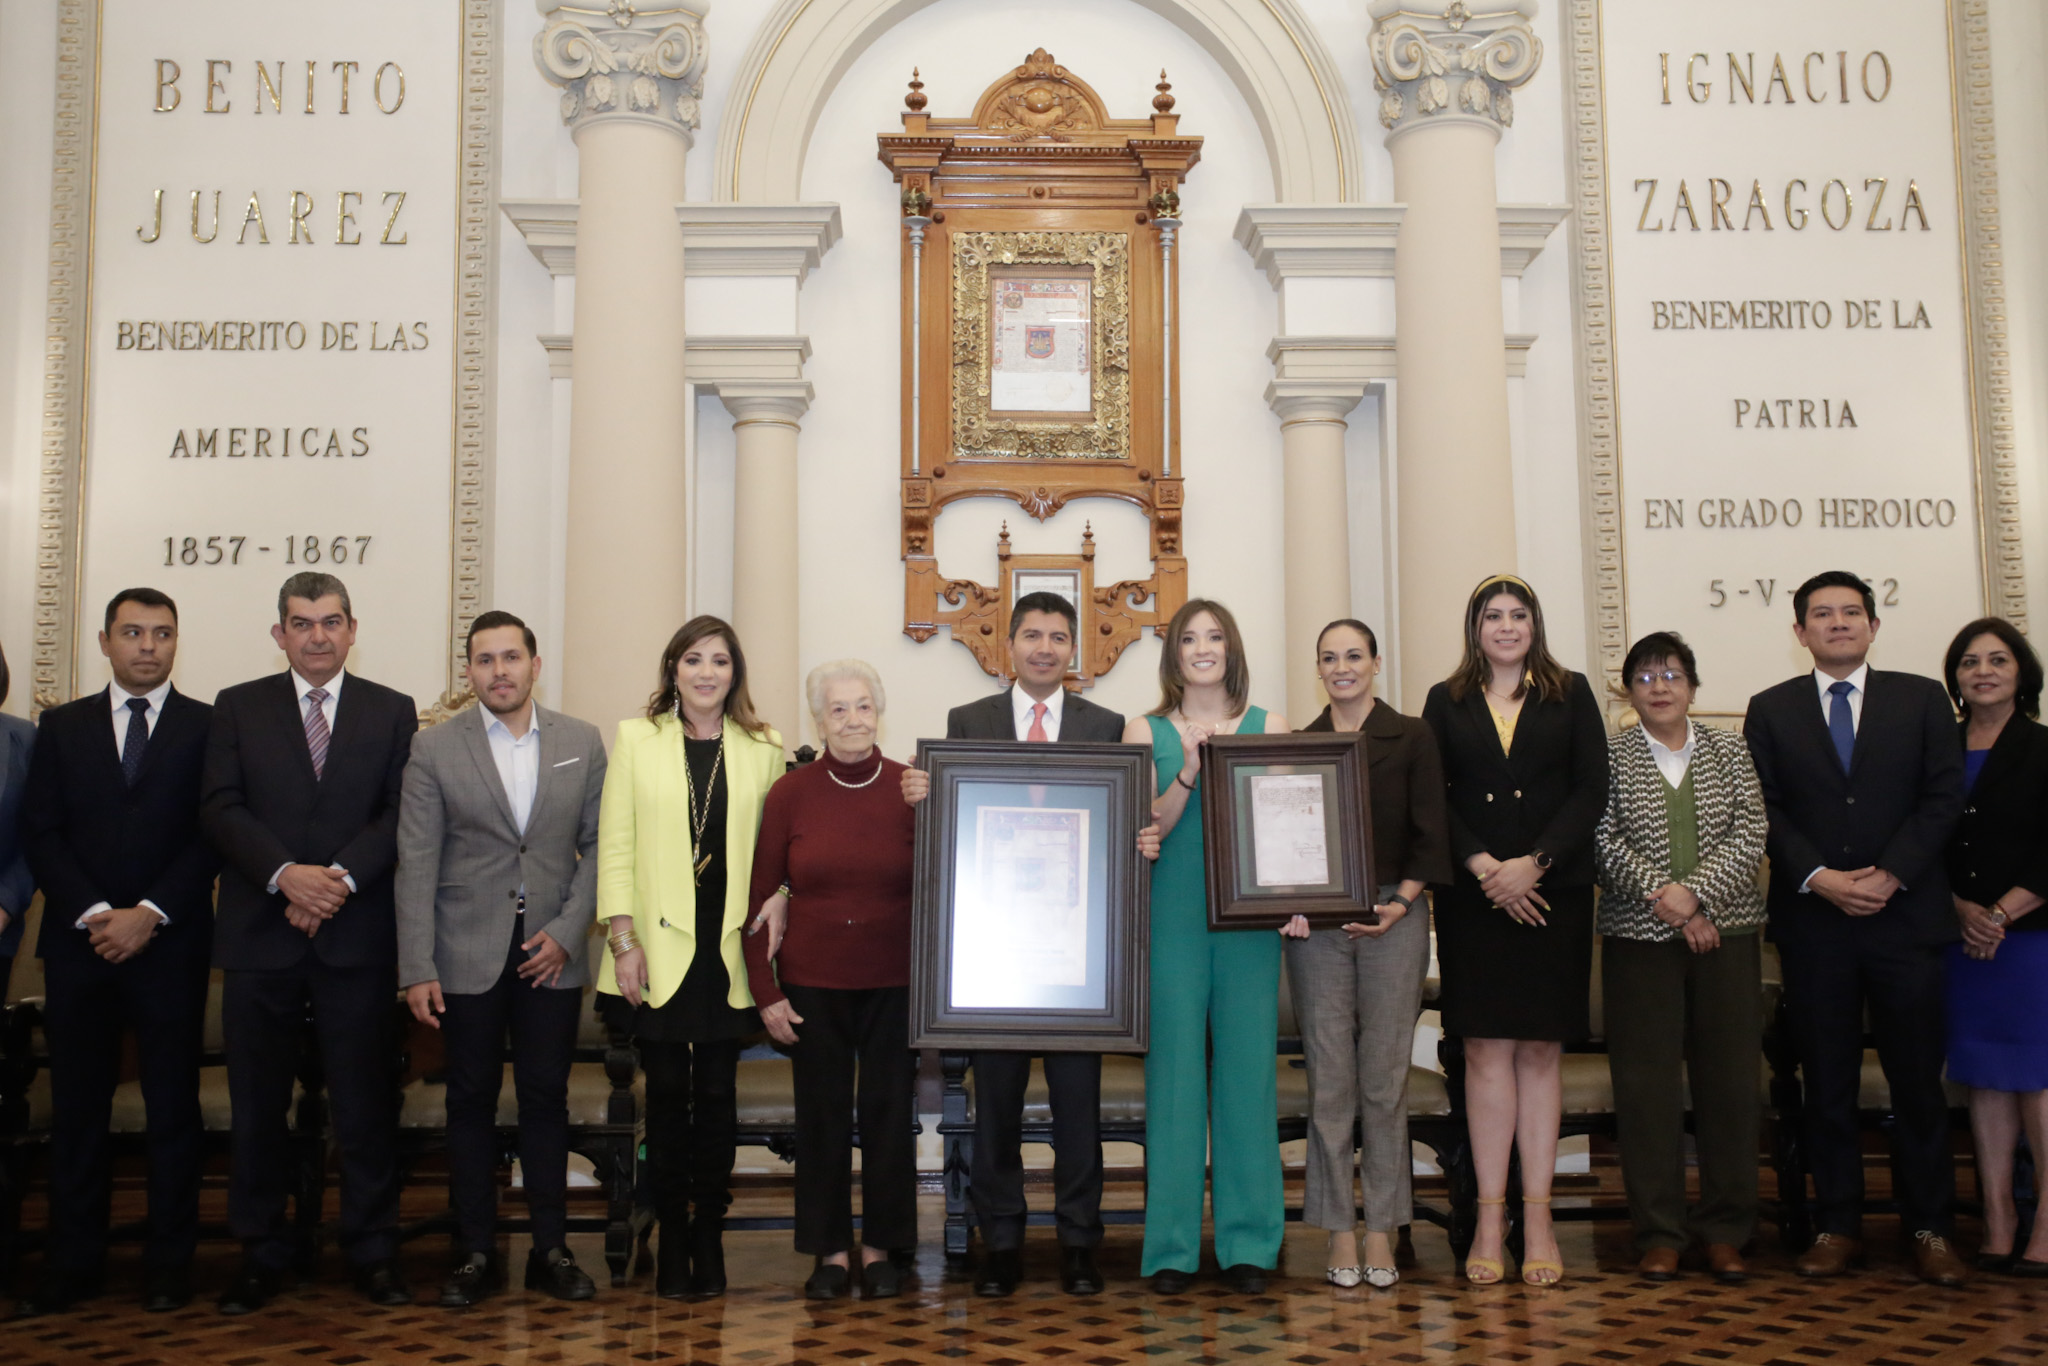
{"points": [[1029, 918], [1287, 830]]}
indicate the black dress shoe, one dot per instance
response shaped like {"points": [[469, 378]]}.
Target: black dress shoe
{"points": [[2028, 1268], [1171, 1282], [1245, 1279], [1078, 1275], [166, 1289], [379, 1283], [707, 1258], [1997, 1262], [254, 1286], [475, 1277], [827, 1282], [61, 1291], [672, 1271], [555, 1271], [1001, 1269], [880, 1280]]}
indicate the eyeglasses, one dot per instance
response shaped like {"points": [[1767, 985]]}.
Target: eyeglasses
{"points": [[1645, 679]]}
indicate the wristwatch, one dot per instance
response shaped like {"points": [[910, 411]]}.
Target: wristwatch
{"points": [[1405, 903], [1543, 860], [1998, 917]]}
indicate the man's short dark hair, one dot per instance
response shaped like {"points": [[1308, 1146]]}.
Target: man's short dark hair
{"points": [[1044, 602], [313, 586], [491, 621], [1660, 647], [146, 597], [1833, 578]]}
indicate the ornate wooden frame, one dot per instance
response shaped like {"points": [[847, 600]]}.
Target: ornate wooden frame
{"points": [[1040, 174]]}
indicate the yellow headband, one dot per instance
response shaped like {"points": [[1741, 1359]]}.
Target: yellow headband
{"points": [[1501, 578]]}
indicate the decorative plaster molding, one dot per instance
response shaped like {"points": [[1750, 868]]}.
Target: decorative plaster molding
{"points": [[1309, 367], [718, 239], [1270, 51], [1339, 241], [641, 65], [1456, 64], [726, 366]]}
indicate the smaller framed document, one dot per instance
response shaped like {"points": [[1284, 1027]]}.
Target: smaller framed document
{"points": [[1287, 830], [1029, 918]]}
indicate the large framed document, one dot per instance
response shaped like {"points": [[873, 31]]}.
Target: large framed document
{"points": [[1029, 918], [1287, 830]]}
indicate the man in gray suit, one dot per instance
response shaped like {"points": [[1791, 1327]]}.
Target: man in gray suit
{"points": [[497, 886]]}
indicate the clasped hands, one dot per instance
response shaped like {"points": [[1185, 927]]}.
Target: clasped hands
{"points": [[312, 895], [1511, 885], [1678, 906], [1981, 937], [118, 935], [1861, 892]]}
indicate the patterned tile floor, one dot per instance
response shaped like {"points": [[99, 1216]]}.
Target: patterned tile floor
{"points": [[1601, 1315]]}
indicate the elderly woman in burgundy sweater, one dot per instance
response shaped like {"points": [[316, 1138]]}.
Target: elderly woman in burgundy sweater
{"points": [[834, 866]]}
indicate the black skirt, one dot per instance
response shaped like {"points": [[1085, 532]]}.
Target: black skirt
{"points": [[1506, 980]]}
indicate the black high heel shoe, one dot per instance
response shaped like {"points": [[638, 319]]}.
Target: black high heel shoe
{"points": [[707, 1257]]}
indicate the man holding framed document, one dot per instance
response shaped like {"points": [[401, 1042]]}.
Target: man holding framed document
{"points": [[1037, 708]]}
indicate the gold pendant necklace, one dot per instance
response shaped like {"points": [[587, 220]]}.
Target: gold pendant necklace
{"points": [[698, 819]]}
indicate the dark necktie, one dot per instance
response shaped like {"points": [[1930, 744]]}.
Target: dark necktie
{"points": [[137, 741], [1841, 722]]}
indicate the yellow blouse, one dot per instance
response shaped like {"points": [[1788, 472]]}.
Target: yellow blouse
{"points": [[1504, 726]]}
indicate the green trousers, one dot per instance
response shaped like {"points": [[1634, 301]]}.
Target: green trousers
{"points": [[1673, 1017]]}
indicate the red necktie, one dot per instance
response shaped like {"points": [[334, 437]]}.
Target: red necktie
{"points": [[1037, 731]]}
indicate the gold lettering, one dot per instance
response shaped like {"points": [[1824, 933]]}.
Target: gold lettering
{"points": [[1848, 206], [385, 240], [344, 219], [1643, 222], [1870, 224], [1745, 77], [215, 84], [1795, 218], [1842, 64], [214, 230], [156, 229], [309, 86], [1718, 191], [302, 208], [1664, 74], [1913, 205], [1699, 90], [264, 85], [1886, 62], [170, 83], [1778, 80], [345, 68], [377, 89], [1756, 206], [254, 215], [1806, 75], [1684, 201]]}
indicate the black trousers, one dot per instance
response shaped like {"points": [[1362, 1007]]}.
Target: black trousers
{"points": [[692, 1127], [869, 1029], [1827, 987], [542, 1022], [264, 1015], [91, 1003], [996, 1176]]}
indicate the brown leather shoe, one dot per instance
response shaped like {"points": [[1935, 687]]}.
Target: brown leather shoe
{"points": [[1830, 1255], [1724, 1263], [1936, 1261], [1658, 1264]]}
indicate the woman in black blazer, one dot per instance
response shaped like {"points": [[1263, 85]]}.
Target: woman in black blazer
{"points": [[1998, 874], [1525, 762]]}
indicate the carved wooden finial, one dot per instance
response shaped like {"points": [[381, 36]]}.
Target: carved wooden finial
{"points": [[916, 99], [1163, 101]]}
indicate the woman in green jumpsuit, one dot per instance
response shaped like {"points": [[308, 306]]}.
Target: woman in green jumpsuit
{"points": [[1219, 988]]}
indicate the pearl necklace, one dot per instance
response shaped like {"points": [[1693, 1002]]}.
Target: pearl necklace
{"points": [[855, 787]]}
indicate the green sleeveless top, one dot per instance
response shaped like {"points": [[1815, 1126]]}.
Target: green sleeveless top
{"points": [[1180, 882]]}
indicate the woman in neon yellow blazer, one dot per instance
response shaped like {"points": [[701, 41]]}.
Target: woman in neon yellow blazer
{"points": [[675, 854]]}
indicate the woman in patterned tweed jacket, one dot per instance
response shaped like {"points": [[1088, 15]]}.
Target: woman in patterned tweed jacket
{"points": [[1679, 917]]}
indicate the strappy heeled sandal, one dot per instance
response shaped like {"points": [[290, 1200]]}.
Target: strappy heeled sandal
{"points": [[1539, 1271], [1485, 1270]]}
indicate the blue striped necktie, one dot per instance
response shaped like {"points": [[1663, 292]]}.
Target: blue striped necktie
{"points": [[137, 741], [1841, 722], [316, 729]]}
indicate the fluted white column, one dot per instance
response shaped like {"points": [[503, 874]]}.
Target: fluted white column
{"points": [[631, 76], [764, 562], [1445, 78], [1316, 541]]}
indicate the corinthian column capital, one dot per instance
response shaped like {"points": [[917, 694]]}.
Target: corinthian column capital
{"points": [[636, 60], [1455, 61]]}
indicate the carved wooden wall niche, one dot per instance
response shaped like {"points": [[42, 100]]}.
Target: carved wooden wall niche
{"points": [[1040, 360]]}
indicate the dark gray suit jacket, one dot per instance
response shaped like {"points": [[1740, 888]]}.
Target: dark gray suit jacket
{"points": [[991, 718], [462, 859]]}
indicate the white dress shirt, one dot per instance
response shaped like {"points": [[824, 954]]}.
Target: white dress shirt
{"points": [[1673, 763], [518, 761], [1022, 702], [117, 703], [1856, 682], [300, 687]]}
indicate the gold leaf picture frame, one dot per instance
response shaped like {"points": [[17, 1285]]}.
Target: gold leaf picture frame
{"points": [[1103, 434]]}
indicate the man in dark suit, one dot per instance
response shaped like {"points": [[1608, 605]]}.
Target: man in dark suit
{"points": [[1863, 781], [112, 831], [17, 882], [303, 774], [1037, 708]]}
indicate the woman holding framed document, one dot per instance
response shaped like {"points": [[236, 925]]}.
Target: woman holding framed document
{"points": [[1358, 988], [1525, 764], [1220, 985]]}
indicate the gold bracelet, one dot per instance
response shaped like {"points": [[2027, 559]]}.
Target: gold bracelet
{"points": [[623, 945]]}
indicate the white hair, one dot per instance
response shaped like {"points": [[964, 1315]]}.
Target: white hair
{"points": [[834, 670]]}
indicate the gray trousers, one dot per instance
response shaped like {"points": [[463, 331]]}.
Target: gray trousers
{"points": [[1357, 1002]]}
